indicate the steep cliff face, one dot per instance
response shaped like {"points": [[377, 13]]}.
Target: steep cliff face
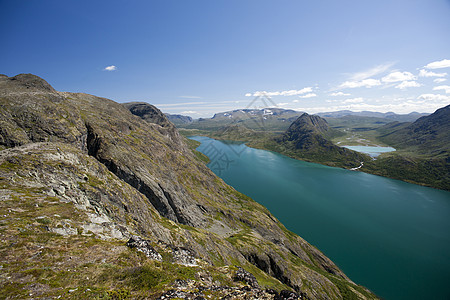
{"points": [[125, 176]]}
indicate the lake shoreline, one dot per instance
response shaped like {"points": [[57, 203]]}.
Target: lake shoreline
{"points": [[387, 166]]}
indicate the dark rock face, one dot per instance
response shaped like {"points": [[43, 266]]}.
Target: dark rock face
{"points": [[148, 113]]}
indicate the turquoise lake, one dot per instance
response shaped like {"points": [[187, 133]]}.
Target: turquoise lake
{"points": [[372, 151], [390, 236]]}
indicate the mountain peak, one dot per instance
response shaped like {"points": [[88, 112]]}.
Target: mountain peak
{"points": [[148, 113], [311, 123], [32, 81]]}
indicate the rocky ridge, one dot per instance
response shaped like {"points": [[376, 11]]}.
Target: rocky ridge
{"points": [[79, 168]]}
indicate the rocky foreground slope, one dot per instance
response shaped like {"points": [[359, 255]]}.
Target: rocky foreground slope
{"points": [[81, 175]]}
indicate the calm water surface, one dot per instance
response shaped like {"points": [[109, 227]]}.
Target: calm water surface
{"points": [[390, 236], [372, 151]]}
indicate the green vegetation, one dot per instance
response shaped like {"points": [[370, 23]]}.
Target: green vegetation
{"points": [[193, 145]]}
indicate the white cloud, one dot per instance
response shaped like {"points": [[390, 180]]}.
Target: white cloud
{"points": [[439, 80], [400, 107], [282, 104], [339, 94], [434, 97], [445, 63], [179, 104], [295, 101], [362, 83], [310, 95], [398, 76], [371, 72], [189, 112], [110, 68], [407, 84], [425, 73], [445, 88], [282, 93], [354, 100]]}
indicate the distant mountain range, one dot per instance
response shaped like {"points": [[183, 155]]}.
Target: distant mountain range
{"points": [[411, 117], [179, 119], [278, 119]]}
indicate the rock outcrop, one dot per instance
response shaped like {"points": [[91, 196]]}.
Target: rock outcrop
{"points": [[100, 175]]}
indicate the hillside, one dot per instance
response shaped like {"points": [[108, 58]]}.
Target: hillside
{"points": [[308, 138], [81, 175], [427, 135]]}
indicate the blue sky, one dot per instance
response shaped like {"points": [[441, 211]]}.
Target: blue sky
{"points": [[199, 57]]}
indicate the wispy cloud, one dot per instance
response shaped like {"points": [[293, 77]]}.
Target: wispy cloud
{"points": [[434, 97], [445, 88], [439, 80], [371, 72], [110, 68], [425, 73], [189, 112], [445, 63], [190, 97], [179, 104], [282, 93], [404, 106], [407, 84], [353, 100], [368, 83], [398, 76], [339, 94]]}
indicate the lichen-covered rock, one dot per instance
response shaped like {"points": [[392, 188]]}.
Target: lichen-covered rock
{"points": [[245, 276], [286, 295], [184, 257], [144, 247]]}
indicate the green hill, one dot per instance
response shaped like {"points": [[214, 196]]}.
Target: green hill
{"points": [[308, 138], [429, 135]]}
